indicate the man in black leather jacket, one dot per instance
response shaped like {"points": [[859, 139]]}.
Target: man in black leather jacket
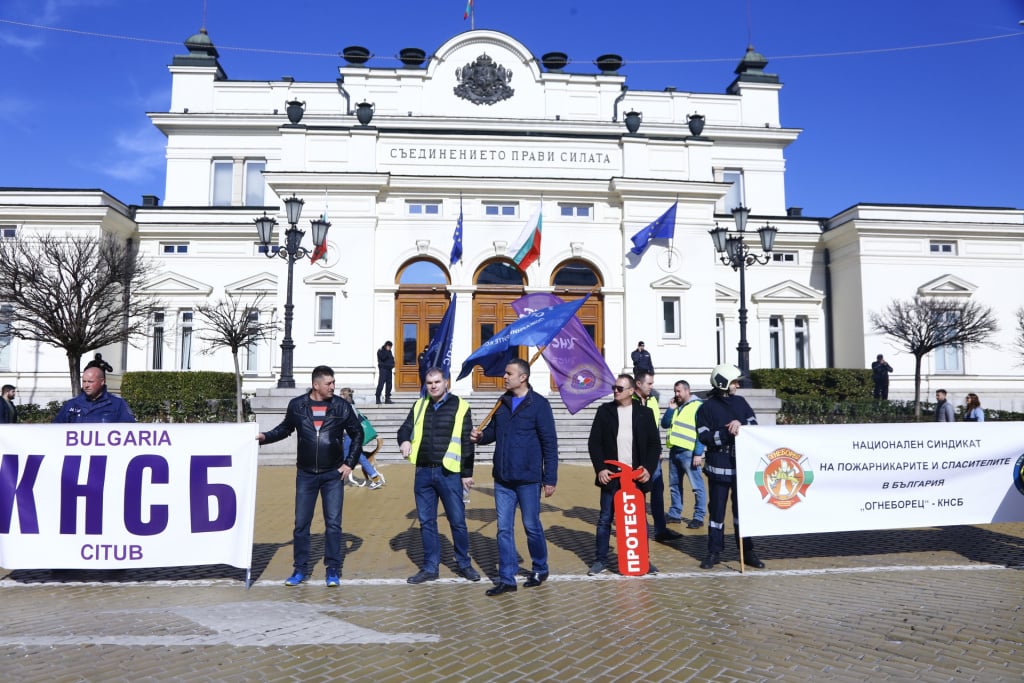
{"points": [[321, 420]]}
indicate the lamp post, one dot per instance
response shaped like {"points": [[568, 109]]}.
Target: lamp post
{"points": [[734, 252], [291, 252]]}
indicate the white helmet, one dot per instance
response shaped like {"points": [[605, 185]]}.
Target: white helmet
{"points": [[724, 375]]}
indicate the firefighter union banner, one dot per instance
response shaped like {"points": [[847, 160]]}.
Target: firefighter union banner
{"points": [[122, 496], [806, 479]]}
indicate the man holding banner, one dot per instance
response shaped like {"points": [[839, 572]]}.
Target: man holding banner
{"points": [[321, 420], [719, 420], [623, 430]]}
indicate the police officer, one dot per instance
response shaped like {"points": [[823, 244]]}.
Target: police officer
{"points": [[719, 420]]}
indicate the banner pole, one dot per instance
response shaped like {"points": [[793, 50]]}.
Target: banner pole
{"points": [[741, 552], [489, 415]]}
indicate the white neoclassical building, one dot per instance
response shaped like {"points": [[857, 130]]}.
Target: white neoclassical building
{"points": [[485, 130]]}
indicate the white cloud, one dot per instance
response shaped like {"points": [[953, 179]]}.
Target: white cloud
{"points": [[137, 154]]}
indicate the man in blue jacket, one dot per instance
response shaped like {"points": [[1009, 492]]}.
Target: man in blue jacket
{"points": [[95, 403], [321, 421], [525, 460]]}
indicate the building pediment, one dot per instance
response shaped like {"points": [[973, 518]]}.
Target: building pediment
{"points": [[325, 278], [948, 286], [175, 284], [726, 295], [671, 282], [789, 291], [261, 283]]}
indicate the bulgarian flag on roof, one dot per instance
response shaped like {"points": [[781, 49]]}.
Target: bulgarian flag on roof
{"points": [[469, 9], [526, 249]]}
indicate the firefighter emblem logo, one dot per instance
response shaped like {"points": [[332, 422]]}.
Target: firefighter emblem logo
{"points": [[1018, 474], [785, 478]]}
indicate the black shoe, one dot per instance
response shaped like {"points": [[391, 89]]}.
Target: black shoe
{"points": [[389, 401], [378, 401], [536, 579], [667, 535], [422, 576], [710, 561], [501, 588], [752, 560], [695, 524], [468, 573], [651, 569], [673, 520]]}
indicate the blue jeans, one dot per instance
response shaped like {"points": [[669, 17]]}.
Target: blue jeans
{"points": [[331, 490], [527, 497], [368, 469], [604, 521], [680, 462], [431, 484]]}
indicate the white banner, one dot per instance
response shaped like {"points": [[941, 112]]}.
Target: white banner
{"points": [[813, 478], [123, 496]]}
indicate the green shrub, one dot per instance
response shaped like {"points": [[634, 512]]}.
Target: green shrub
{"points": [[181, 396], [840, 384], [31, 413]]}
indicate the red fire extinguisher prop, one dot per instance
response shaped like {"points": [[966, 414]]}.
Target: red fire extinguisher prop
{"points": [[630, 521]]}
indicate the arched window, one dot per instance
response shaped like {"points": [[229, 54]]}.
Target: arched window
{"points": [[576, 274], [500, 273], [422, 272]]}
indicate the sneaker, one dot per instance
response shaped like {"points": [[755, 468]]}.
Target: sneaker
{"points": [[376, 482], [595, 569], [352, 481], [695, 524], [669, 519], [296, 578], [333, 578]]}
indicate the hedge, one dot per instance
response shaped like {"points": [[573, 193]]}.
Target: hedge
{"points": [[182, 396]]}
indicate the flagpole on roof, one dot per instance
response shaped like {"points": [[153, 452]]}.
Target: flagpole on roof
{"points": [[671, 241]]}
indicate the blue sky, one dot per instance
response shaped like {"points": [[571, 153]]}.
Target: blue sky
{"points": [[901, 101]]}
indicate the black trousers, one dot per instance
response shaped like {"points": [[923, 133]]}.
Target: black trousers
{"points": [[384, 384], [718, 496], [881, 390]]}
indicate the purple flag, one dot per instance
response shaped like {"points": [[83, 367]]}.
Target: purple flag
{"points": [[580, 372]]}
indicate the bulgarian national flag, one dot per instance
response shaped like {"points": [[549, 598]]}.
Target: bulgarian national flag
{"points": [[469, 9], [526, 249]]}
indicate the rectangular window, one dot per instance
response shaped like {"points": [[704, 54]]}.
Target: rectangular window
{"points": [[734, 197], [784, 257], [940, 247], [670, 323], [576, 210], [8, 232], [325, 313], [775, 341], [252, 350], [220, 194], [6, 313], [185, 323], [949, 359], [720, 338], [423, 208], [254, 184], [498, 209], [158, 341], [266, 248], [800, 331], [168, 248]]}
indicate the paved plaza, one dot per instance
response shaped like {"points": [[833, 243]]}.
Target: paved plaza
{"points": [[936, 604]]}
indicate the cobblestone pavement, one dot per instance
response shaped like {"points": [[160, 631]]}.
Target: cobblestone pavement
{"points": [[936, 604]]}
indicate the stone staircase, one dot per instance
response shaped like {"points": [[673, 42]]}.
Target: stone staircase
{"points": [[573, 430]]}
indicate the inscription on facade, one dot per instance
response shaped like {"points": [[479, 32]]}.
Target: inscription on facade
{"points": [[580, 158]]}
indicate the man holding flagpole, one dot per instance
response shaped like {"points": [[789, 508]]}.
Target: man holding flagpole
{"points": [[525, 461]]}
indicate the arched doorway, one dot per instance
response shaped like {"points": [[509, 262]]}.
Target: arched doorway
{"points": [[499, 282], [419, 306], [571, 281]]}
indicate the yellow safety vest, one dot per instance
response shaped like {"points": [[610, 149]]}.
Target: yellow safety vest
{"points": [[683, 433], [452, 459], [651, 403]]}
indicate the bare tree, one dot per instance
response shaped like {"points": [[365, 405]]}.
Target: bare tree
{"points": [[234, 325], [1018, 339], [924, 324], [75, 292]]}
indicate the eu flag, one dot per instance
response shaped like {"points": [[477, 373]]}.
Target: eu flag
{"points": [[662, 228], [439, 352], [457, 240]]}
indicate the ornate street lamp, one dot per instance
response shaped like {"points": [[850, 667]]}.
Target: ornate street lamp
{"points": [[734, 252], [292, 251]]}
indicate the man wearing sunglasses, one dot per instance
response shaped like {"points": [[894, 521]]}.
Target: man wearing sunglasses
{"points": [[623, 430]]}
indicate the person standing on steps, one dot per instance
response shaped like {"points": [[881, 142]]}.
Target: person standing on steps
{"points": [[385, 366]]}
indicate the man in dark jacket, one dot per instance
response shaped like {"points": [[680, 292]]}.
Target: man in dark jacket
{"points": [[436, 438], [8, 411], [95, 403], [385, 366], [321, 421], [719, 420], [525, 460], [623, 430]]}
